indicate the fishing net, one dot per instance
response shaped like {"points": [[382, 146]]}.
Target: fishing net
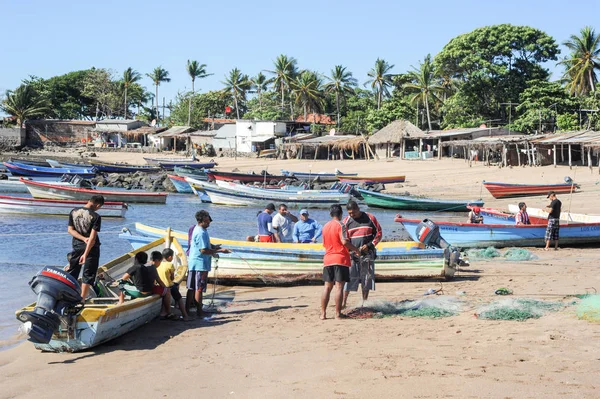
{"points": [[487, 253], [518, 254], [431, 307], [589, 308], [517, 309], [512, 254]]}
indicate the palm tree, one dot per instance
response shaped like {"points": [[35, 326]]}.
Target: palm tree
{"points": [[130, 76], [425, 83], [260, 83], [237, 84], [285, 71], [23, 103], [341, 83], [158, 75], [196, 71], [583, 62], [307, 89], [380, 80]]}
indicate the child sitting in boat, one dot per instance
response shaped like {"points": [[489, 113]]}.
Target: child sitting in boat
{"points": [[166, 272], [475, 215]]}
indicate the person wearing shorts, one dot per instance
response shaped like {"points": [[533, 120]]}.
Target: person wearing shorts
{"points": [[166, 272], [336, 262], [84, 225], [552, 231]]}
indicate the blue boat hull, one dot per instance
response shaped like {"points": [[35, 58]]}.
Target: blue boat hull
{"points": [[182, 187], [17, 169], [172, 165]]}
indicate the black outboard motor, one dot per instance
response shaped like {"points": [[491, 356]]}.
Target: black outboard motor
{"points": [[58, 295], [429, 234]]}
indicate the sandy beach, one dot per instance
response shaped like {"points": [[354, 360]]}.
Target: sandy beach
{"points": [[269, 342]]}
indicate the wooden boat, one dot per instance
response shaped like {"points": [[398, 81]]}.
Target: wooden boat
{"points": [[276, 190], [170, 165], [371, 179], [56, 164], [32, 206], [388, 201], [155, 161], [53, 191], [102, 319], [254, 262], [31, 162], [19, 169], [197, 189], [15, 185], [246, 177], [180, 184], [184, 171], [123, 168], [469, 235], [491, 215], [321, 177], [508, 190], [564, 216]]}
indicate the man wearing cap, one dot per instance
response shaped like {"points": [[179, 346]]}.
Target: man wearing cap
{"points": [[307, 230], [553, 210], [265, 224], [475, 216], [200, 259]]}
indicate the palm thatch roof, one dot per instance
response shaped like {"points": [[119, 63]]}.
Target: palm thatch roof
{"points": [[395, 132]]}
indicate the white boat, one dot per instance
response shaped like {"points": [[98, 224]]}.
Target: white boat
{"points": [[15, 185], [565, 216], [32, 206], [285, 190]]}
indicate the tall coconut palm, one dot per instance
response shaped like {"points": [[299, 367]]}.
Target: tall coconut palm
{"points": [[196, 71], [158, 76], [130, 76], [23, 103], [583, 62], [285, 71], [341, 83], [425, 83], [381, 79], [307, 89], [237, 84], [260, 83]]}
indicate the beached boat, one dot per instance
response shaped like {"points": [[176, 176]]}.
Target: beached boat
{"points": [[246, 177], [56, 164], [31, 162], [155, 161], [564, 216], [388, 201], [19, 169], [508, 190], [184, 171], [321, 177], [102, 319], [180, 184], [170, 165], [491, 215], [371, 179], [470, 235], [32, 206], [254, 262], [53, 191], [123, 168], [276, 190]]}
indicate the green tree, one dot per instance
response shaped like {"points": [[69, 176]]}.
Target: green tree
{"points": [[341, 83], [23, 103], [567, 122], [158, 76], [260, 84], [285, 70], [308, 92], [204, 105], [130, 76], [237, 84], [390, 110], [196, 71], [380, 80], [100, 86], [425, 83], [583, 62]]}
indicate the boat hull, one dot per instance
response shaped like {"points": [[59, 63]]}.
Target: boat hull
{"points": [[193, 165], [387, 201], [31, 206], [245, 177], [319, 177], [180, 184], [564, 216], [372, 180], [199, 174], [40, 171], [507, 190], [116, 168]]}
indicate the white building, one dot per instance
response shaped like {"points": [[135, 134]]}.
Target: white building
{"points": [[252, 136]]}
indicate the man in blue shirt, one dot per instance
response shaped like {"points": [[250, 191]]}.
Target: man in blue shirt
{"points": [[307, 230], [265, 224], [199, 260]]}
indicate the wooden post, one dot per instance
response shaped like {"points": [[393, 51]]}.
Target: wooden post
{"points": [[582, 155], [439, 148], [554, 151], [570, 163], [420, 147], [451, 152], [590, 159], [316, 152], [402, 148], [562, 154], [528, 153], [504, 154], [518, 154]]}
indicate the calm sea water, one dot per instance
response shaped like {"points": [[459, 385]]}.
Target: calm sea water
{"points": [[28, 243]]}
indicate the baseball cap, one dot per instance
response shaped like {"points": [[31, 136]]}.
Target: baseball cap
{"points": [[303, 212], [200, 215], [476, 209], [550, 193]]}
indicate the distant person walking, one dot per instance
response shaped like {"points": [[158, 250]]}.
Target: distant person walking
{"points": [[552, 231], [265, 224], [522, 217], [336, 262], [307, 230], [283, 224], [84, 225]]}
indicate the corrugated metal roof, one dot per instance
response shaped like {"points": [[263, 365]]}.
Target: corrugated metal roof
{"points": [[462, 131], [175, 131], [261, 139], [578, 137]]}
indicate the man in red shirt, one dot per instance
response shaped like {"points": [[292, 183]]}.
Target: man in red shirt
{"points": [[336, 262]]}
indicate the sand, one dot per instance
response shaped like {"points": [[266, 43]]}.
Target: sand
{"points": [[270, 342]]}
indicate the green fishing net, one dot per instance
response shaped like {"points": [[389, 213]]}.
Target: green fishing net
{"points": [[433, 307], [518, 254], [589, 308], [487, 253], [512, 254], [517, 309]]}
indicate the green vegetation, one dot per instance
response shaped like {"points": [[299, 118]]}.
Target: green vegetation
{"points": [[497, 75]]}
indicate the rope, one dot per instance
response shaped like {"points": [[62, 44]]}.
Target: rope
{"points": [[215, 282]]}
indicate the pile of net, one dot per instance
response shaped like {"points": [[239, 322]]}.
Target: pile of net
{"points": [[517, 309], [589, 308], [432, 307], [512, 254]]}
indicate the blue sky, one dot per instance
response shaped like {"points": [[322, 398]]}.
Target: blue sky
{"points": [[54, 37]]}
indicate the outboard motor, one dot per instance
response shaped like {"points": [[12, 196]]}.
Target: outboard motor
{"points": [[429, 234], [58, 296]]}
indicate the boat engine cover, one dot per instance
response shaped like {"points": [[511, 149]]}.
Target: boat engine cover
{"points": [[58, 294], [428, 233]]}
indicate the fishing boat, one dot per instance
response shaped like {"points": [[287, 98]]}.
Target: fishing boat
{"points": [[180, 184], [20, 169], [508, 190], [470, 235], [246, 177], [170, 165], [371, 179], [102, 318], [53, 191], [255, 262], [564, 216], [184, 171], [321, 177], [197, 189], [31, 162], [388, 201], [156, 161], [497, 216], [123, 168], [32, 206], [277, 190], [15, 185], [55, 164]]}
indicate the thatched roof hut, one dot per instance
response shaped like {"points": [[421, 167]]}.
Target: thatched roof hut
{"points": [[395, 132]]}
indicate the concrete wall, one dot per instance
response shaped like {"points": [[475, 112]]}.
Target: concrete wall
{"points": [[61, 133], [12, 137]]}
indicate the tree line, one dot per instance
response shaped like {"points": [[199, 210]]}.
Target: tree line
{"points": [[494, 75]]}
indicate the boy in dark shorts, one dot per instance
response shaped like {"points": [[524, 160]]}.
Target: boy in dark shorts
{"points": [[336, 262], [166, 272]]}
